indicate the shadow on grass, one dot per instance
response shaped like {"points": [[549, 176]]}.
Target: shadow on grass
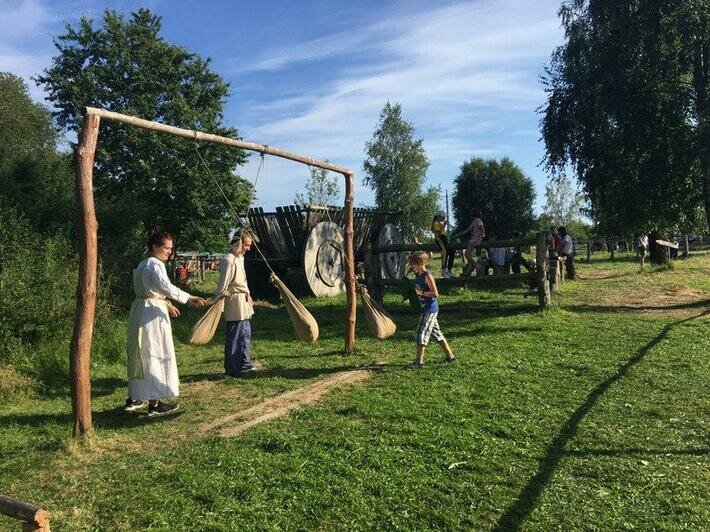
{"points": [[527, 499], [57, 385], [626, 308], [639, 452], [114, 418]]}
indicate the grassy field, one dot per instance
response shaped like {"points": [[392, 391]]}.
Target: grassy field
{"points": [[591, 416]]}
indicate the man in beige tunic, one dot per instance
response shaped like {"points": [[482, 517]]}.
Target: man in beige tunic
{"points": [[238, 308]]}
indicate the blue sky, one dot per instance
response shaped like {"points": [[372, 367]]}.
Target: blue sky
{"points": [[313, 76]]}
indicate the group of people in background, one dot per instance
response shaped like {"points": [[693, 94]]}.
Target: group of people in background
{"points": [[152, 367], [499, 259]]}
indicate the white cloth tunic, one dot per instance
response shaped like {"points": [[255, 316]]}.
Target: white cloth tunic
{"points": [[152, 369], [233, 284]]}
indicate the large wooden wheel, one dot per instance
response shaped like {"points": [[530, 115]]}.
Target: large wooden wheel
{"points": [[393, 265], [324, 260]]}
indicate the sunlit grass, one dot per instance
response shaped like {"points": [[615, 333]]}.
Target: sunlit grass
{"points": [[593, 415]]}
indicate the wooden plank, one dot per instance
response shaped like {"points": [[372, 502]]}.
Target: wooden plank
{"points": [[486, 244], [667, 243], [460, 281], [289, 241]]}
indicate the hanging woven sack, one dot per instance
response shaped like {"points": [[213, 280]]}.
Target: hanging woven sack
{"points": [[378, 321], [204, 329], [304, 324]]}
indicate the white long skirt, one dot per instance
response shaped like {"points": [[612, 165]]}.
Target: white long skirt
{"points": [[151, 338]]}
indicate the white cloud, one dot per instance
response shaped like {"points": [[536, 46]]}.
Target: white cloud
{"points": [[463, 73], [27, 18]]}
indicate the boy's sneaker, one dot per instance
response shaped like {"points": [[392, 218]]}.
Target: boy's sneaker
{"points": [[447, 274], [449, 358], [162, 409], [130, 405], [416, 365]]}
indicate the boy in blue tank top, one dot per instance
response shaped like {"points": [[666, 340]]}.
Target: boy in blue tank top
{"points": [[425, 287]]}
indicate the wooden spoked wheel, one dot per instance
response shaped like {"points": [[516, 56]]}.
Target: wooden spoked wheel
{"points": [[393, 265], [324, 260]]}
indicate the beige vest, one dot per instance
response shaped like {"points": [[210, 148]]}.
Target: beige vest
{"points": [[233, 282]]}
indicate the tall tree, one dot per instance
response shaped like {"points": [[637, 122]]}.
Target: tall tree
{"points": [[628, 109], [563, 202], [35, 177], [395, 168], [321, 189], [499, 191], [144, 178]]}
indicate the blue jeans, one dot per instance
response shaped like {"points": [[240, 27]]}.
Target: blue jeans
{"points": [[237, 348]]}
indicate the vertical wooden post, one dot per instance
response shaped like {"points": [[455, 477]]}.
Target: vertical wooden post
{"points": [[542, 258], [589, 251], [80, 363], [349, 266]]}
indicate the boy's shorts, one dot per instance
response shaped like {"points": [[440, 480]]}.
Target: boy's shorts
{"points": [[428, 327]]}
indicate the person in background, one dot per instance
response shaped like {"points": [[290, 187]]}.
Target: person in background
{"points": [[517, 259], [642, 248], [478, 232], [555, 242], [448, 253], [152, 368], [182, 274], [428, 326], [238, 308], [568, 252], [498, 256]]}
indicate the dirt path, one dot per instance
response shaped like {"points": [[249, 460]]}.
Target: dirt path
{"points": [[282, 404]]}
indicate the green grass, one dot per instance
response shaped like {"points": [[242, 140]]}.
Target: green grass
{"points": [[593, 416]]}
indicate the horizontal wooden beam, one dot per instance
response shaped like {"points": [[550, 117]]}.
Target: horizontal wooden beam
{"points": [[461, 281], [390, 248], [217, 139], [24, 510]]}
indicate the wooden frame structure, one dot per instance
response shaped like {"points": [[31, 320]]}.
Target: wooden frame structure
{"points": [[540, 276], [88, 248]]}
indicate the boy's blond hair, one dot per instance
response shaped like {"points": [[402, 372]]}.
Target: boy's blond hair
{"points": [[418, 257]]}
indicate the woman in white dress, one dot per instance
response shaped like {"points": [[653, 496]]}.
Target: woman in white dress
{"points": [[152, 369]]}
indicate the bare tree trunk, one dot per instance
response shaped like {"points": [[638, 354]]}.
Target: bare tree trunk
{"points": [[80, 362]]}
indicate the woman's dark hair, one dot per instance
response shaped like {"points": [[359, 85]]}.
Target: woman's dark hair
{"points": [[157, 237]]}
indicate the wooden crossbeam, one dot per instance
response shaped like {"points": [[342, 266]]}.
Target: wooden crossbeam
{"points": [[486, 244]]}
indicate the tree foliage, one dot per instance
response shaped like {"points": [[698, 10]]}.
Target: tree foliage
{"points": [[563, 202], [321, 189], [499, 191], [628, 109], [395, 168], [35, 177], [142, 178]]}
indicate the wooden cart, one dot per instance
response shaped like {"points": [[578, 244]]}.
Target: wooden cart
{"points": [[304, 246]]}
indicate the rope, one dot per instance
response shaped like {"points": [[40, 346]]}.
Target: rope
{"points": [[231, 207]]}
